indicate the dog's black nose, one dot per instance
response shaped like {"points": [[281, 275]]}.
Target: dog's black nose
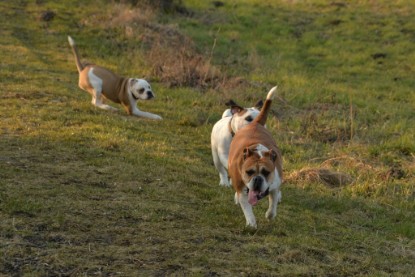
{"points": [[150, 95], [257, 183]]}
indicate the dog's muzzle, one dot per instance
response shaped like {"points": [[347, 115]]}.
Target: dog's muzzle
{"points": [[255, 194], [263, 194], [257, 182]]}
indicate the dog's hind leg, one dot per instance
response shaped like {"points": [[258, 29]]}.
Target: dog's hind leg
{"points": [[97, 97], [223, 173], [98, 101]]}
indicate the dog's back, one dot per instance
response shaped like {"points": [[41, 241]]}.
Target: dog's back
{"points": [[254, 133]]}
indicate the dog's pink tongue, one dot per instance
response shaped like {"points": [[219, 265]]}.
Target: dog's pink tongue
{"points": [[252, 197]]}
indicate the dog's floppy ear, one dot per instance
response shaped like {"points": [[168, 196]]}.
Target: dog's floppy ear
{"points": [[235, 108], [247, 152], [272, 155], [259, 104], [231, 103], [133, 81]]}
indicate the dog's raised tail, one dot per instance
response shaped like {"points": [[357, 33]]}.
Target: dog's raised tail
{"points": [[263, 115], [79, 65]]}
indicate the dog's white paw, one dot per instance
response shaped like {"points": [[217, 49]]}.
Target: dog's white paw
{"points": [[105, 107], [270, 215], [224, 183], [139, 113], [251, 224]]}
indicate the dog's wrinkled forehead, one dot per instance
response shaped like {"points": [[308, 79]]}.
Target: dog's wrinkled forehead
{"points": [[249, 114], [243, 118], [259, 154], [141, 89], [141, 84], [255, 153]]}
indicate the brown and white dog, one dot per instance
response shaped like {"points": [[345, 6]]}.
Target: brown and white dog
{"points": [[255, 166], [223, 131], [102, 84]]}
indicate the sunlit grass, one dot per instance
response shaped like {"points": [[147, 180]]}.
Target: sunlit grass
{"points": [[89, 192]]}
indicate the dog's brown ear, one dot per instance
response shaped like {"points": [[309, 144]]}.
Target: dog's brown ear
{"points": [[235, 108], [273, 155], [259, 104], [231, 103], [247, 152]]}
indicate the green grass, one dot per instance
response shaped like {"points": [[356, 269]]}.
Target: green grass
{"points": [[87, 192]]}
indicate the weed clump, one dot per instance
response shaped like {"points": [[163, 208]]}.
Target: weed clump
{"points": [[182, 66], [321, 175], [171, 56]]}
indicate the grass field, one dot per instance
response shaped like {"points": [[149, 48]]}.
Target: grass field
{"points": [[87, 192]]}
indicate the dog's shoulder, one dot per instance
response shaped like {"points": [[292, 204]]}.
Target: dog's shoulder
{"points": [[253, 133], [221, 124]]}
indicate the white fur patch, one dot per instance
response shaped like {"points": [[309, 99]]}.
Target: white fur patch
{"points": [[239, 120], [144, 84], [71, 41], [261, 149], [135, 93], [277, 180], [271, 93], [141, 89], [227, 113], [95, 81]]}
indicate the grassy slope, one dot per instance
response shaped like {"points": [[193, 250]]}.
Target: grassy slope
{"points": [[87, 192]]}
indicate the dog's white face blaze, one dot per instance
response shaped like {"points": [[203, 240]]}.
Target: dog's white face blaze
{"points": [[243, 118], [261, 149], [141, 89]]}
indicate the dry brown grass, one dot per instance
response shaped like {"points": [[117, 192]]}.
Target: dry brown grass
{"points": [[321, 175], [171, 56], [176, 62]]}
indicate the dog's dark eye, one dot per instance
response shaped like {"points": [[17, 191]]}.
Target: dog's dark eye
{"points": [[141, 90], [265, 173], [250, 172], [249, 118]]}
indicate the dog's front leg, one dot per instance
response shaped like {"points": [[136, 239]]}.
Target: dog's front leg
{"points": [[274, 198], [137, 112], [247, 209]]}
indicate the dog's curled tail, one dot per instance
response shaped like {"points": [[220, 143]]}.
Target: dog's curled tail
{"points": [[79, 65], [263, 115]]}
